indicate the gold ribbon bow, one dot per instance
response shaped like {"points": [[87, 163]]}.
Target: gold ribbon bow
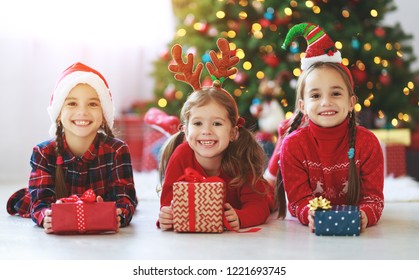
{"points": [[319, 203]]}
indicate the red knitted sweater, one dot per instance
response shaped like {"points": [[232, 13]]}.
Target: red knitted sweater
{"points": [[251, 208], [314, 162]]}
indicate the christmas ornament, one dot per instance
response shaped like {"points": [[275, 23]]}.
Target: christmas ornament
{"points": [[206, 58], [385, 78], [355, 43], [271, 60], [380, 32], [170, 92], [241, 78], [359, 76]]}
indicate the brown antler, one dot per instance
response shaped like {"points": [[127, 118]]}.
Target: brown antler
{"points": [[184, 71], [220, 68]]}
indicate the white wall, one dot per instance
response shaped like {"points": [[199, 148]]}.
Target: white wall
{"points": [[35, 46], [39, 39]]}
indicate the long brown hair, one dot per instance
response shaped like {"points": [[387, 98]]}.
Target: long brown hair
{"points": [[354, 180]]}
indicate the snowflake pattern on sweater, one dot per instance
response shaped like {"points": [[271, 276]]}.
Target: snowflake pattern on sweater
{"points": [[314, 162]]}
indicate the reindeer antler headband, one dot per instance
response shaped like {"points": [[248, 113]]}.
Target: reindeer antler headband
{"points": [[220, 69]]}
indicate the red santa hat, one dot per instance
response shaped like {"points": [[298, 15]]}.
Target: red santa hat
{"points": [[319, 45], [162, 122], [79, 73]]}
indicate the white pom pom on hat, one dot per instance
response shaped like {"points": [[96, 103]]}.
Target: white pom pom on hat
{"points": [[79, 73]]}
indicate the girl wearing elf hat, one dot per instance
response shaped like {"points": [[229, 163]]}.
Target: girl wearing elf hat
{"points": [[325, 153], [83, 154], [214, 142]]}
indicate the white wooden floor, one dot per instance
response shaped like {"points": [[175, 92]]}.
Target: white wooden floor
{"points": [[394, 238]]}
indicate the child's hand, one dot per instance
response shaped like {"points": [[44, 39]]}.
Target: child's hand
{"points": [[311, 220], [166, 218], [118, 217], [231, 216], [364, 221], [47, 223]]}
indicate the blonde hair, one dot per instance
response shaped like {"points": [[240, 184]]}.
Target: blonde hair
{"points": [[243, 157], [354, 180]]}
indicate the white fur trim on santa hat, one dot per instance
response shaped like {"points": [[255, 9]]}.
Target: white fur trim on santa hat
{"points": [[307, 62], [66, 84]]}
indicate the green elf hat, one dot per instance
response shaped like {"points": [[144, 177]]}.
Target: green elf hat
{"points": [[319, 45]]}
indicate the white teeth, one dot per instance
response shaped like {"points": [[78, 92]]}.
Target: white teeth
{"points": [[207, 142], [81, 122], [327, 113]]}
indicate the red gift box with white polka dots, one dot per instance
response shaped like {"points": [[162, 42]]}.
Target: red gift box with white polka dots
{"points": [[84, 217]]}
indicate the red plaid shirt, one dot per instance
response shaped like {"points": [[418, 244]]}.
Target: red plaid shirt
{"points": [[105, 167]]}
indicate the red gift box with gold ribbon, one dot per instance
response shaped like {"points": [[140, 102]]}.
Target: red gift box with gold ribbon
{"points": [[198, 203], [78, 215]]}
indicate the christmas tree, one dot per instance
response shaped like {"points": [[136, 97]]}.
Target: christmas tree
{"points": [[378, 55]]}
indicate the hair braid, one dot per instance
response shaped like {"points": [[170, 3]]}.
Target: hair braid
{"points": [[280, 199], [167, 150], [60, 187], [108, 131]]}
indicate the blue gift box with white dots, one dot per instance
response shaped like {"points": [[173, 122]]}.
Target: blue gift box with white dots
{"points": [[339, 220]]}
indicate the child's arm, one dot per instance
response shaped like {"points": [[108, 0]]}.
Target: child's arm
{"points": [[41, 185], [122, 185], [254, 208], [372, 177], [296, 181]]}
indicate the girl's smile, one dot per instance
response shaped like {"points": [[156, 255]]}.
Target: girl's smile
{"points": [[81, 117], [209, 132]]}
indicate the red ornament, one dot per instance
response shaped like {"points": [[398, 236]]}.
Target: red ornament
{"points": [[165, 55], [264, 22], [271, 60], [398, 62], [360, 77], [385, 79], [380, 32], [282, 21], [204, 27], [170, 92]]}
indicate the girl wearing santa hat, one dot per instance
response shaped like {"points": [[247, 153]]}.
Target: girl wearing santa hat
{"points": [[329, 155], [84, 154]]}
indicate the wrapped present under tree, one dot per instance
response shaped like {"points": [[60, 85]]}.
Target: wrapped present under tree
{"points": [[341, 220], [198, 203], [78, 215]]}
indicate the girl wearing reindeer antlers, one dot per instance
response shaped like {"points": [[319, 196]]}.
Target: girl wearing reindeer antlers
{"points": [[329, 155], [217, 144]]}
